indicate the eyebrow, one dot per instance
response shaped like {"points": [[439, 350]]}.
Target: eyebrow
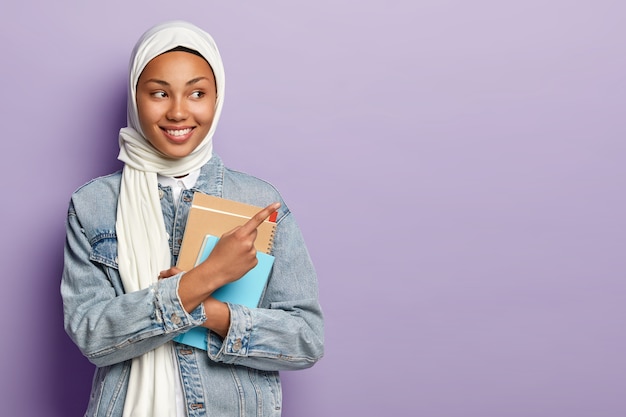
{"points": [[166, 84]]}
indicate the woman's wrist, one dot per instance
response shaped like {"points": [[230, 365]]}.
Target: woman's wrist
{"points": [[196, 286], [218, 316]]}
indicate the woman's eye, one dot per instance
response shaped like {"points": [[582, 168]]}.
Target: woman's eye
{"points": [[159, 94], [197, 94]]}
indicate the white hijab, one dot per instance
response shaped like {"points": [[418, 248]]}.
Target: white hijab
{"points": [[143, 249]]}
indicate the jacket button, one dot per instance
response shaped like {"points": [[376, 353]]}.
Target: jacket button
{"points": [[237, 345], [161, 194], [175, 319]]}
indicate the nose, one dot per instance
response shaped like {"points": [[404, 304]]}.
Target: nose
{"points": [[177, 110]]}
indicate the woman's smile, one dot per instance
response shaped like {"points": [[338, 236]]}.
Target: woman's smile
{"points": [[178, 135]]}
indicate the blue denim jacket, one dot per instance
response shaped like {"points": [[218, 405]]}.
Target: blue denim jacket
{"points": [[237, 376]]}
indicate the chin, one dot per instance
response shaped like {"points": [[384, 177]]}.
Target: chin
{"points": [[176, 155]]}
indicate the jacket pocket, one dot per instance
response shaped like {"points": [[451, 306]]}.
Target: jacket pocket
{"points": [[104, 249], [268, 383], [108, 390]]}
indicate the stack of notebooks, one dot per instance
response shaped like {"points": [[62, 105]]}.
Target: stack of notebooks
{"points": [[209, 218]]}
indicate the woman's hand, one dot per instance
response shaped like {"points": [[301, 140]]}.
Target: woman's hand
{"points": [[233, 256], [168, 273]]}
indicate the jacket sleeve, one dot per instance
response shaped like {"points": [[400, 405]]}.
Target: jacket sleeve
{"points": [[107, 325], [286, 332]]}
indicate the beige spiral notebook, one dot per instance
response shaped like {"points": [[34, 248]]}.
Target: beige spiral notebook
{"points": [[210, 215]]}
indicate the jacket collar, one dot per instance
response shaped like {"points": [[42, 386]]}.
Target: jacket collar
{"points": [[211, 179]]}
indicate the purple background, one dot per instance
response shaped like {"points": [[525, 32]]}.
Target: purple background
{"points": [[457, 169]]}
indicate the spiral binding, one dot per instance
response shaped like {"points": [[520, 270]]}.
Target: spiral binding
{"points": [[270, 242]]}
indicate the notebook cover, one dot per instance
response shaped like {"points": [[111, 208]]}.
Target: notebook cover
{"points": [[210, 215]]}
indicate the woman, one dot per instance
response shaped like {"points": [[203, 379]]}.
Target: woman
{"points": [[123, 300]]}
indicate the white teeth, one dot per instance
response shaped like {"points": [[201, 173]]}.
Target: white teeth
{"points": [[181, 132]]}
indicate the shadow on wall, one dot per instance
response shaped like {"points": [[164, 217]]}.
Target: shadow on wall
{"points": [[65, 375], [105, 122], [92, 148]]}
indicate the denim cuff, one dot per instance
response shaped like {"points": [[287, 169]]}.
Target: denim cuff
{"points": [[170, 309], [237, 341]]}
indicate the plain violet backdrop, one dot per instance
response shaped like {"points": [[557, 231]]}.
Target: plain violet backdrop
{"points": [[457, 169]]}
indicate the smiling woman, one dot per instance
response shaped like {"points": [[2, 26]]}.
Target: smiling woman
{"points": [[176, 99], [124, 300]]}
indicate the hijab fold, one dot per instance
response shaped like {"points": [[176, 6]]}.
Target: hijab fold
{"points": [[143, 248]]}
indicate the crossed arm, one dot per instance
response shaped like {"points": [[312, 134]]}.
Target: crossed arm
{"points": [[232, 257]]}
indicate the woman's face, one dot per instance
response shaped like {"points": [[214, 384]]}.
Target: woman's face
{"points": [[176, 99]]}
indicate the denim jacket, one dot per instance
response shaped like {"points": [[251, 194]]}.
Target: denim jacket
{"points": [[237, 376]]}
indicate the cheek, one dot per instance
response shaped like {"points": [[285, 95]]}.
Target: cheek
{"points": [[205, 114], [147, 115]]}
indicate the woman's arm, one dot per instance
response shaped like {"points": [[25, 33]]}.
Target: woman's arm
{"points": [[233, 256], [106, 324], [287, 331], [110, 326]]}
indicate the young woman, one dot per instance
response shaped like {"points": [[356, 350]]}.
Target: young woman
{"points": [[124, 301]]}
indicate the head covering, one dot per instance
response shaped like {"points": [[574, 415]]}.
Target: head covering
{"points": [[135, 150], [143, 249]]}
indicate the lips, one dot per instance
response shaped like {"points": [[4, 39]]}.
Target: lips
{"points": [[178, 134]]}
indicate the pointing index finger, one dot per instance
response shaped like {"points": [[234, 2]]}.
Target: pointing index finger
{"points": [[256, 220]]}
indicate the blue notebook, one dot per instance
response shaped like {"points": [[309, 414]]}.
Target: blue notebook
{"points": [[247, 290]]}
